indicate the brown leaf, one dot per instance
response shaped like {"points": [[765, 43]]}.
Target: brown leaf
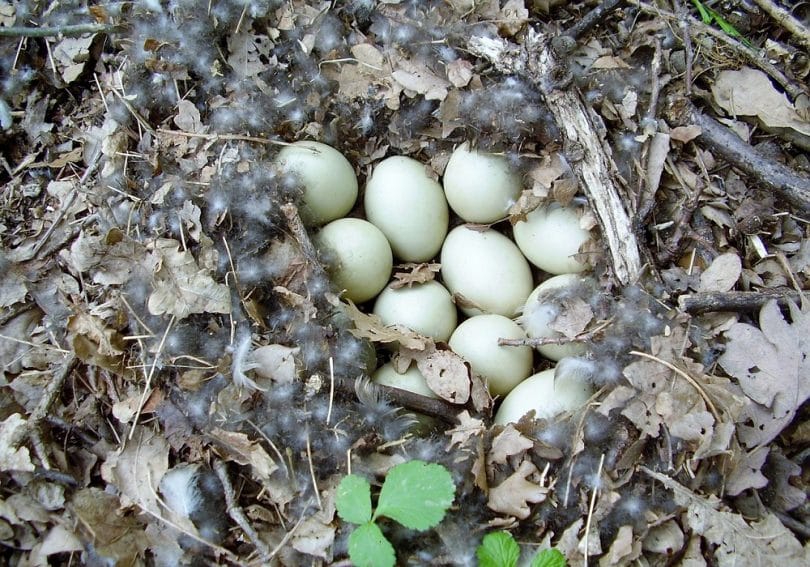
{"points": [[418, 273], [417, 77], [508, 443], [746, 472], [371, 327], [513, 495], [722, 274], [468, 427], [446, 374], [13, 458], [240, 449]]}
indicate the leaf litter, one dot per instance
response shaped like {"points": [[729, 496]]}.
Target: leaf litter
{"points": [[142, 233]]}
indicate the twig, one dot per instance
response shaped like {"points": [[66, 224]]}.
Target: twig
{"points": [[686, 39], [786, 20], [591, 507], [235, 511], [728, 145], [55, 31], [540, 341], [592, 18], [707, 302], [223, 137]]}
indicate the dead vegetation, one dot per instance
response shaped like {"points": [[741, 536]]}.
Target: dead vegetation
{"points": [[181, 383]]}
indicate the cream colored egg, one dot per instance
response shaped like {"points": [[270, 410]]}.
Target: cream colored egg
{"points": [[487, 269], [538, 315], [480, 187], [503, 367], [408, 207], [545, 395], [550, 237], [330, 185], [359, 257], [425, 308], [411, 380]]}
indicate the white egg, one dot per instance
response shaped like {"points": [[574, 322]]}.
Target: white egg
{"points": [[487, 269], [503, 367], [425, 308], [545, 395], [411, 380], [480, 187], [361, 259], [549, 238], [408, 206], [330, 185], [537, 316]]}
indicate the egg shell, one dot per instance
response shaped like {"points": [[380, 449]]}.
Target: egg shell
{"points": [[408, 207], [487, 269], [503, 367], [361, 261], [479, 186], [425, 308], [330, 185], [411, 380], [545, 395], [536, 318], [550, 237]]}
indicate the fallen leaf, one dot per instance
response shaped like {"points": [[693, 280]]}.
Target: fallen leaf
{"points": [[417, 77], [418, 273], [276, 362], [372, 328], [13, 458], [245, 452], [467, 428], [181, 287], [722, 273], [665, 539], [446, 374], [137, 469], [749, 92], [513, 495], [746, 472], [508, 443]]}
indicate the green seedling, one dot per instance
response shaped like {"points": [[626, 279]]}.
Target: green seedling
{"points": [[709, 16], [416, 494], [499, 549]]}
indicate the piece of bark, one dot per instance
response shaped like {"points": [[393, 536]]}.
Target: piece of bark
{"points": [[728, 145], [536, 61]]}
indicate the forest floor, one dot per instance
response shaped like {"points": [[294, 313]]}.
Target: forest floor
{"points": [[182, 385]]}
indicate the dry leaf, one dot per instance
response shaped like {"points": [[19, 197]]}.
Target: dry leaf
{"points": [[722, 274], [182, 288], [771, 364], [240, 449], [276, 362], [419, 273], [371, 327], [666, 539], [467, 428], [749, 92], [137, 469], [446, 374], [70, 55], [13, 458], [507, 443], [513, 495], [417, 77], [746, 473], [685, 134]]}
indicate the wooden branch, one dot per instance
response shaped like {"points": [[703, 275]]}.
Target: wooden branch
{"points": [[708, 302], [535, 60], [55, 31], [786, 20], [728, 145], [592, 18]]}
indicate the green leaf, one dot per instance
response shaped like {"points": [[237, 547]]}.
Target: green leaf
{"points": [[549, 558], [498, 549], [705, 16], [368, 547], [416, 494], [353, 499]]}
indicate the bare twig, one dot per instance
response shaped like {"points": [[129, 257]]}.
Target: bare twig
{"points": [[686, 38], [707, 302], [55, 31], [592, 18], [235, 511], [728, 145], [540, 341], [786, 20]]}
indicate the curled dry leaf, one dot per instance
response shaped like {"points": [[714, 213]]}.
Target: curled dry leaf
{"points": [[417, 273], [508, 443], [372, 328], [243, 451]]}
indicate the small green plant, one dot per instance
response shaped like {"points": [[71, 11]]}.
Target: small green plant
{"points": [[709, 16], [499, 549], [416, 494]]}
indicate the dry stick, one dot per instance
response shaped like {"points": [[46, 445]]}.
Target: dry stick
{"points": [[235, 511], [683, 24], [592, 18], [786, 20], [728, 145], [540, 341], [536, 61], [55, 31], [422, 404], [707, 302], [750, 54]]}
